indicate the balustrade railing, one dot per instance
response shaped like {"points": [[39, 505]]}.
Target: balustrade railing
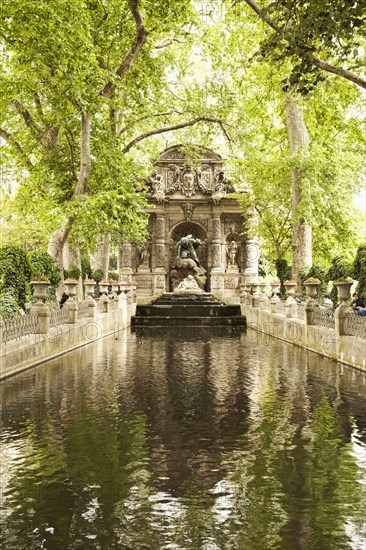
{"points": [[83, 310], [301, 311], [355, 325], [324, 317], [17, 327], [59, 316]]}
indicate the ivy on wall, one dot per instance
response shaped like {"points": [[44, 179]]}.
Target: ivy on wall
{"points": [[15, 273]]}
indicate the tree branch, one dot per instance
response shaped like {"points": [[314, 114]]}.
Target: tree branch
{"points": [[340, 71], [9, 139], [137, 45], [163, 113], [28, 119], [170, 129], [165, 42]]}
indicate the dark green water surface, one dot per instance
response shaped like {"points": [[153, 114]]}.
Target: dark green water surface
{"points": [[196, 440]]}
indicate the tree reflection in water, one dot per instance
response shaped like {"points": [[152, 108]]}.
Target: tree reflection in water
{"points": [[213, 441]]}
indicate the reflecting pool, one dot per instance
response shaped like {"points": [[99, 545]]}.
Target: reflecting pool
{"points": [[191, 440]]}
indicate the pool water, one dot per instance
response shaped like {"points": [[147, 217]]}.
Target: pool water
{"points": [[189, 439]]}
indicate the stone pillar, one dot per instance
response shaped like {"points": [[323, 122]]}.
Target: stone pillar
{"points": [[44, 314], [252, 255], [159, 271], [340, 318], [126, 262], [91, 307], [216, 244], [72, 306], [217, 271], [310, 306], [105, 303], [255, 295]]}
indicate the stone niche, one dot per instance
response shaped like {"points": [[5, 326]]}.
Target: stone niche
{"points": [[187, 194]]}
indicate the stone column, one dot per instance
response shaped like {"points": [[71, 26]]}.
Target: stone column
{"points": [[216, 244], [126, 262], [159, 271], [252, 255], [217, 271]]}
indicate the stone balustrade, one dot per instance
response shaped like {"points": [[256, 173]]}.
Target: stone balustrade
{"points": [[339, 334], [47, 332]]}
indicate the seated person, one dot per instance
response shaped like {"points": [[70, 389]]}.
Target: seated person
{"points": [[361, 311], [64, 299], [357, 302]]}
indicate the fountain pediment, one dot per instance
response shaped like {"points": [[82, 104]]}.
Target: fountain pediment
{"points": [[189, 173]]}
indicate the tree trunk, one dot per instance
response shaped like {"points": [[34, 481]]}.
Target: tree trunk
{"points": [[298, 138], [72, 257], [100, 259], [55, 249], [82, 183]]}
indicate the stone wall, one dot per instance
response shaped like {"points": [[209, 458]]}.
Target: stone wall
{"points": [[33, 349], [324, 340]]}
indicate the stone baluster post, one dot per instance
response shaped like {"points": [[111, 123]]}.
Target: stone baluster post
{"points": [[343, 310], [159, 271], [312, 304], [72, 307], [91, 308], [44, 314]]}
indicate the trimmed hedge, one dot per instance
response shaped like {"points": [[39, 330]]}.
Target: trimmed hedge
{"points": [[42, 263]]}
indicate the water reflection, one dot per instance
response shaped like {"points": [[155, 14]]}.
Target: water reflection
{"points": [[182, 441]]}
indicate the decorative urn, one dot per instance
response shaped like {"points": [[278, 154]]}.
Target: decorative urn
{"points": [[103, 287], [290, 286], [275, 287], [343, 290], [312, 287], [89, 287], [40, 283], [71, 286]]}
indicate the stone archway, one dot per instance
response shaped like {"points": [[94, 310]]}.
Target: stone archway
{"points": [[189, 228]]}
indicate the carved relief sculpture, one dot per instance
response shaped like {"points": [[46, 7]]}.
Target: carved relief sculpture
{"points": [[204, 178], [216, 260], [160, 228], [188, 211], [188, 183], [160, 253], [216, 229], [173, 178]]}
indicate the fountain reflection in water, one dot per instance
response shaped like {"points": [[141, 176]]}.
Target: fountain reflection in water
{"points": [[219, 440]]}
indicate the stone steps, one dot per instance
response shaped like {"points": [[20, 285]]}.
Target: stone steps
{"points": [[162, 321], [188, 310]]}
